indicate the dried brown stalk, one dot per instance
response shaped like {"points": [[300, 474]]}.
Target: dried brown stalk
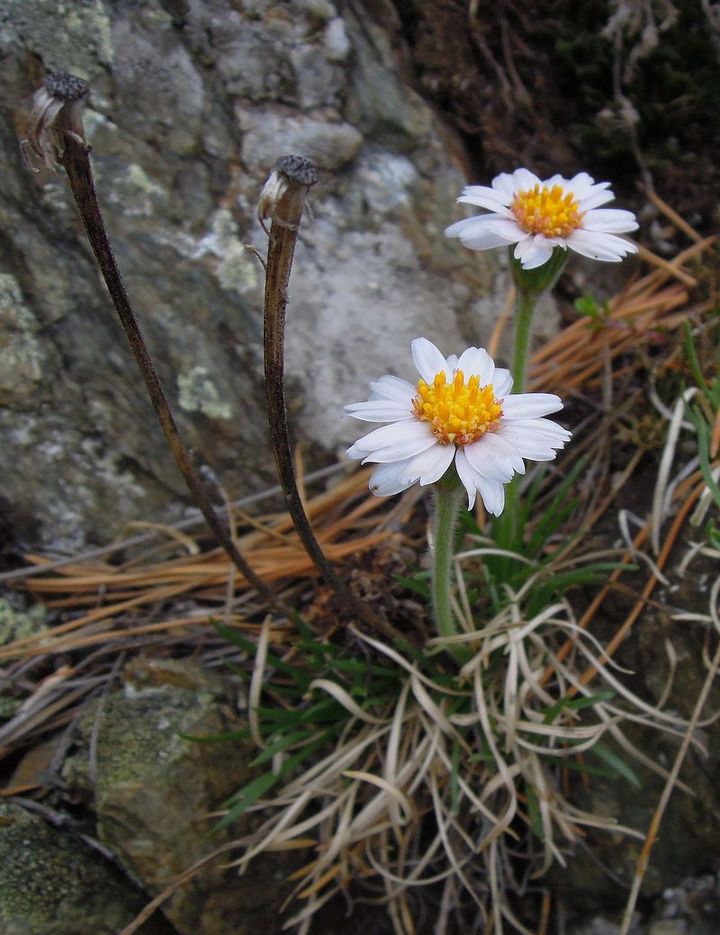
{"points": [[283, 201], [57, 136]]}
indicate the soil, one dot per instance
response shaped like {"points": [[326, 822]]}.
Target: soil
{"points": [[625, 91]]}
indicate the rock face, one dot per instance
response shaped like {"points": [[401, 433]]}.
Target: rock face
{"points": [[52, 883], [151, 790], [191, 103]]}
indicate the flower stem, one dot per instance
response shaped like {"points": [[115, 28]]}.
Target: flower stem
{"points": [[448, 495], [524, 308], [507, 524]]}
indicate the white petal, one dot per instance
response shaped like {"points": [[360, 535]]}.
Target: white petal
{"points": [[545, 426], [399, 451], [379, 410], [451, 363], [484, 198], [502, 382], [491, 225], [493, 450], [599, 246], [493, 495], [610, 220], [505, 185], [389, 387], [410, 430], [482, 191], [523, 179], [387, 479], [468, 476], [556, 179], [456, 229], [534, 450], [483, 239], [494, 457], [533, 445], [429, 466], [427, 358], [534, 252], [582, 185], [475, 361], [530, 405], [595, 198]]}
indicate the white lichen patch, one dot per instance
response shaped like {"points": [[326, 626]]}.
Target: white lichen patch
{"points": [[139, 195], [236, 268], [92, 19], [198, 393], [21, 352]]}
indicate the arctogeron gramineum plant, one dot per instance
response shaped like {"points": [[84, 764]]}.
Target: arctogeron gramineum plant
{"points": [[461, 427], [460, 430]]}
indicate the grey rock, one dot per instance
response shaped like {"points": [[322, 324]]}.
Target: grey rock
{"points": [[330, 146], [23, 355], [153, 790], [53, 883], [599, 925], [668, 927], [191, 103]]}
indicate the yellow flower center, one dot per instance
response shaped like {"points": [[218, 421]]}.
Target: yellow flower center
{"points": [[458, 412], [548, 211]]}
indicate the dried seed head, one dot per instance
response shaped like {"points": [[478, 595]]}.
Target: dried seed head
{"points": [[291, 175], [56, 112], [297, 169], [65, 87]]}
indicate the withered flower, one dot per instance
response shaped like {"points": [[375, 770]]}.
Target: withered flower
{"points": [[57, 109], [292, 174]]}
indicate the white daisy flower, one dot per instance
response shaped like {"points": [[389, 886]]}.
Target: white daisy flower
{"points": [[539, 216], [460, 411]]}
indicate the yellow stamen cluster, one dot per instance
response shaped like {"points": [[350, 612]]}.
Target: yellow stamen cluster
{"points": [[548, 211], [458, 412]]}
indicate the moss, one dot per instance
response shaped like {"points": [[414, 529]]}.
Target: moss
{"points": [[8, 706], [16, 624], [140, 737], [51, 883]]}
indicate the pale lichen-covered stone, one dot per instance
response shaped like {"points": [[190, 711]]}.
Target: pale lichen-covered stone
{"points": [[153, 789], [191, 104], [53, 883]]}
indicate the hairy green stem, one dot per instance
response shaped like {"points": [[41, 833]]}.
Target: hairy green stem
{"points": [[448, 496], [524, 308], [507, 524]]}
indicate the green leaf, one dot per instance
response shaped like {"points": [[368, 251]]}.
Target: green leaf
{"points": [[301, 678], [558, 510], [282, 743], [704, 456], [616, 764], [247, 797], [693, 360], [416, 583], [534, 814], [575, 704]]}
